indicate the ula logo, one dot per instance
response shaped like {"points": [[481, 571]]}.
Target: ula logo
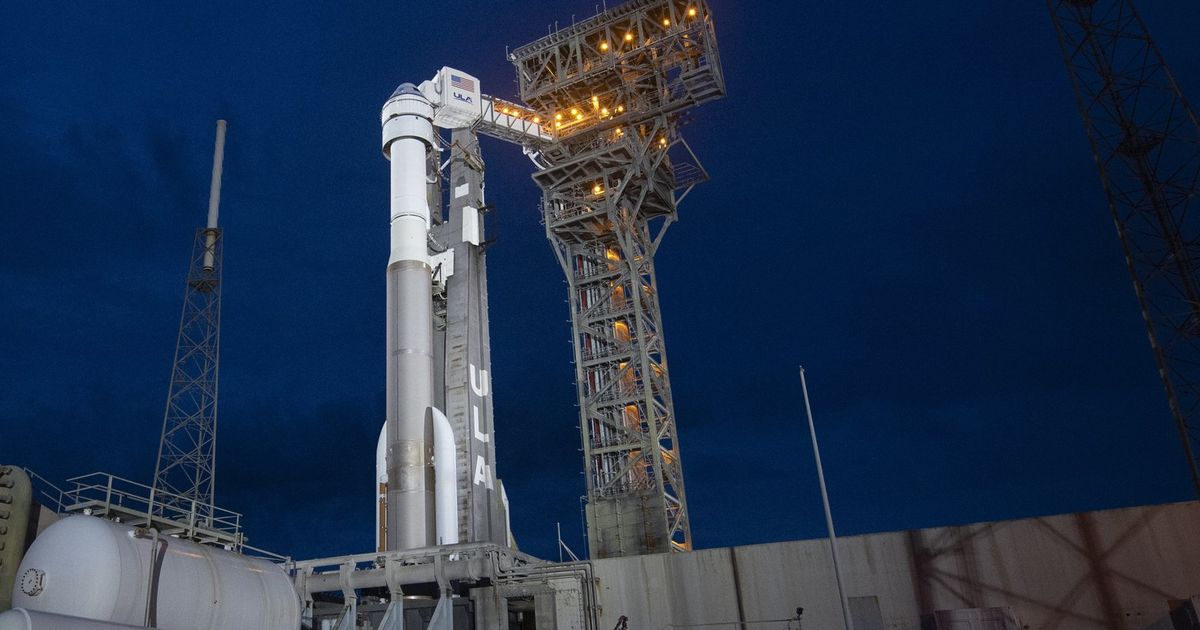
{"points": [[466, 99], [480, 386]]}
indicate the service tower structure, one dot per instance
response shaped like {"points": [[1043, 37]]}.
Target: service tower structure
{"points": [[1146, 142], [612, 90]]}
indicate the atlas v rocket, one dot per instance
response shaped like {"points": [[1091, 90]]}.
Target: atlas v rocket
{"points": [[436, 475], [407, 139]]}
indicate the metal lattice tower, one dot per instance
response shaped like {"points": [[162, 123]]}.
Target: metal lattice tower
{"points": [[185, 472], [614, 87], [1146, 142]]}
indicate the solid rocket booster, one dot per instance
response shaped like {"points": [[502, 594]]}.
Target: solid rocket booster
{"points": [[407, 139]]}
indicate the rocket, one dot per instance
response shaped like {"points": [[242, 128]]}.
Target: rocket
{"points": [[407, 120], [417, 463]]}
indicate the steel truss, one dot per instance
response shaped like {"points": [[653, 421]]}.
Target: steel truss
{"points": [[1146, 142], [186, 468], [614, 87]]}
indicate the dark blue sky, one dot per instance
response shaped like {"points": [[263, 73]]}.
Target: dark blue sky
{"points": [[902, 199]]}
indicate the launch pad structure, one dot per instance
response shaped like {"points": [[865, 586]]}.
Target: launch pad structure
{"points": [[617, 87], [602, 105], [603, 102]]}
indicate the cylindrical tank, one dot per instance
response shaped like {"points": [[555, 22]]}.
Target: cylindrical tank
{"points": [[88, 567], [22, 619]]}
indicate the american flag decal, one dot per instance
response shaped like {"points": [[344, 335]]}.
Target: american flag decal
{"points": [[462, 83]]}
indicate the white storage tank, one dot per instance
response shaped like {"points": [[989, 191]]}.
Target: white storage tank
{"points": [[96, 569]]}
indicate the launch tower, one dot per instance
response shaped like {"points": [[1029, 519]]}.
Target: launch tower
{"points": [[613, 90], [1146, 142]]}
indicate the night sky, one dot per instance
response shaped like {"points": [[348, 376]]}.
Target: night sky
{"points": [[902, 200]]}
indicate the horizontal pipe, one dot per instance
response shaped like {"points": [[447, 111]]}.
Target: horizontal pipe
{"points": [[408, 555], [470, 569]]}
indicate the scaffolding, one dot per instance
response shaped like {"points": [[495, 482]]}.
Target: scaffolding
{"points": [[186, 467], [612, 91], [185, 471]]}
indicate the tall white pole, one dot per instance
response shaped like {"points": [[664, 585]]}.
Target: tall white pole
{"points": [[837, 568], [214, 197]]}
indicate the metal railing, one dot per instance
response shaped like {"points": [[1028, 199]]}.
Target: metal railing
{"points": [[109, 496], [45, 493], [110, 493]]}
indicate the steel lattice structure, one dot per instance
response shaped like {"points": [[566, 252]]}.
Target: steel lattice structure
{"points": [[614, 87], [1146, 143], [185, 473]]}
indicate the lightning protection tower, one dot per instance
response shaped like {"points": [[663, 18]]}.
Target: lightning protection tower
{"points": [[1146, 142], [185, 472], [613, 89]]}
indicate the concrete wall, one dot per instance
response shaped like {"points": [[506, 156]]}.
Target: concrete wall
{"points": [[1114, 569]]}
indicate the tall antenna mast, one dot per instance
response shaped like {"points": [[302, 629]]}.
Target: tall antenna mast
{"points": [[185, 473], [1146, 142]]}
